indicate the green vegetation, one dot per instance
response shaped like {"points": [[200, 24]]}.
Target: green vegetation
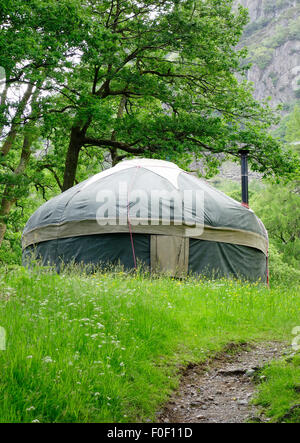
{"points": [[103, 80], [263, 53], [278, 207], [279, 394], [255, 26], [108, 347], [283, 33], [10, 250], [288, 130], [271, 6], [280, 271], [262, 56], [96, 84], [279, 24], [292, 133], [274, 77]]}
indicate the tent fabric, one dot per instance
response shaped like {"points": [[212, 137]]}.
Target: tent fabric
{"points": [[98, 250], [212, 259], [165, 169], [82, 203], [91, 223], [225, 260], [80, 228], [169, 254], [61, 216]]}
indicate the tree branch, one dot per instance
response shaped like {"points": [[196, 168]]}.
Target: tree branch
{"points": [[102, 143]]}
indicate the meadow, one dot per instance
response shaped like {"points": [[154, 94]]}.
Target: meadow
{"points": [[109, 347]]}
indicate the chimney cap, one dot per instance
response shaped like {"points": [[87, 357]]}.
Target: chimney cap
{"points": [[243, 151]]}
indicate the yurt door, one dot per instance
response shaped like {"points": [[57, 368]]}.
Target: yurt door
{"points": [[169, 254]]}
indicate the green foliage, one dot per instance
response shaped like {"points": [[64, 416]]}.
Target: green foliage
{"points": [[37, 40], [255, 26], [273, 6], [288, 130], [262, 56], [292, 128], [274, 77], [278, 207], [232, 188], [164, 87], [157, 80], [279, 394], [283, 33], [11, 250], [107, 348], [280, 23], [280, 272]]}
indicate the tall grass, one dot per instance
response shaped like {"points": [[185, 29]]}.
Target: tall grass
{"points": [[279, 394], [107, 347]]}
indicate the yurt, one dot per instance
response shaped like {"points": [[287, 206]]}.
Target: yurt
{"points": [[149, 213]]}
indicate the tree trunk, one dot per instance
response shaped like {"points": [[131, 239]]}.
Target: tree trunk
{"points": [[8, 199], [114, 151], [3, 96], [76, 142], [15, 126], [4, 211], [2, 232]]}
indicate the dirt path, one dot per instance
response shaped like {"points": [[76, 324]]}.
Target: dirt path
{"points": [[220, 390]]}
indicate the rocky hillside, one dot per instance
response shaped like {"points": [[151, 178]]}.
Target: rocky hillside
{"points": [[273, 41]]}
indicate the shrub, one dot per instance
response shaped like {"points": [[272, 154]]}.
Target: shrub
{"points": [[297, 93], [281, 272], [263, 56], [256, 26], [272, 6]]}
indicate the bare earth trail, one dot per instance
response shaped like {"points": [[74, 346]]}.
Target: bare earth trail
{"points": [[220, 390]]}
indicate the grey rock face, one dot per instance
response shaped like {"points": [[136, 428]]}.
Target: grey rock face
{"points": [[255, 8], [273, 40]]}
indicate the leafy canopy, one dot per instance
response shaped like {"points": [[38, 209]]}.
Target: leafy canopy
{"points": [[159, 79]]}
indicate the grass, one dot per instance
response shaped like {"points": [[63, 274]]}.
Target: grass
{"points": [[279, 394], [108, 347]]}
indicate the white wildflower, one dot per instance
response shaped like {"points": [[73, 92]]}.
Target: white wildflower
{"points": [[94, 336], [48, 359]]}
